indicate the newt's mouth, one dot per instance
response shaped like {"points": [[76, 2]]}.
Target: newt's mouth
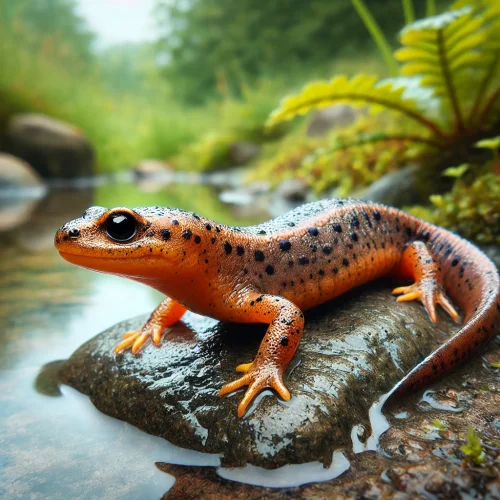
{"points": [[130, 267], [89, 261]]}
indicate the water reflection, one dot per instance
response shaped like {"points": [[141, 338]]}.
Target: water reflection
{"points": [[48, 308]]}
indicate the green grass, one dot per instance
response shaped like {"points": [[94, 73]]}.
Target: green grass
{"points": [[123, 128], [150, 123]]}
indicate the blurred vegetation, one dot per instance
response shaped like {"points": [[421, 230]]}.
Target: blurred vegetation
{"points": [[247, 41], [220, 67], [440, 110], [131, 107], [193, 198]]}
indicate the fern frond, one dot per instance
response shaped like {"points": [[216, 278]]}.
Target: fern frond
{"points": [[441, 49], [362, 90], [492, 56]]}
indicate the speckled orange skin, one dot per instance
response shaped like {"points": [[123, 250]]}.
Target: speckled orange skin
{"points": [[272, 272]]}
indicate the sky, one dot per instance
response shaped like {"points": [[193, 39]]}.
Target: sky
{"points": [[119, 21]]}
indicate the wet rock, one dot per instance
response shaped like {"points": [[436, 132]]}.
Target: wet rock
{"points": [[21, 189], [16, 211], [397, 189], [52, 147], [47, 215], [147, 169], [18, 177], [353, 350], [292, 190], [418, 457], [241, 152], [337, 116], [493, 252]]}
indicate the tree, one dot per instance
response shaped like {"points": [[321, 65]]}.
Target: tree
{"points": [[49, 25], [244, 39]]}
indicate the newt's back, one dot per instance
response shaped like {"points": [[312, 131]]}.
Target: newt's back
{"points": [[272, 272]]}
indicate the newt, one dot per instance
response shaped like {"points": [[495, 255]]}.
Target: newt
{"points": [[272, 272]]}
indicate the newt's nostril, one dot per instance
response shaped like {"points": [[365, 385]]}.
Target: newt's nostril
{"points": [[74, 232]]}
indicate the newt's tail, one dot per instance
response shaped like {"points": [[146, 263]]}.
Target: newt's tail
{"points": [[472, 281]]}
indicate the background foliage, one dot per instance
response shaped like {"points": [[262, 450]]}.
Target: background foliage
{"points": [[430, 96]]}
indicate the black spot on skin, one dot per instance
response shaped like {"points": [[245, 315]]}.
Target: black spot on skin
{"points": [[425, 236], [313, 231], [262, 232], [165, 234], [337, 228], [345, 262], [303, 260], [291, 224], [208, 227], [197, 239], [150, 234], [186, 234], [354, 236], [252, 303], [240, 250], [355, 221], [327, 249], [285, 245], [269, 269], [321, 272], [175, 222], [213, 240], [228, 248], [259, 256], [284, 340], [376, 215], [290, 263], [455, 261], [196, 216], [368, 221], [408, 231], [335, 270]]}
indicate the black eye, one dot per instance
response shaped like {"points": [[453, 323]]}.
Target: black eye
{"points": [[121, 227]]}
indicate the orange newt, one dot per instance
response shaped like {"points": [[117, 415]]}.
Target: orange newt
{"points": [[272, 272]]}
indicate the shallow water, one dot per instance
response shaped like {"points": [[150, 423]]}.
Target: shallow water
{"points": [[59, 447]]}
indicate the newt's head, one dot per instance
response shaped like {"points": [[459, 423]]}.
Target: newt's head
{"points": [[142, 244]]}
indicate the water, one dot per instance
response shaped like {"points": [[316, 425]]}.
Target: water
{"points": [[60, 447]]}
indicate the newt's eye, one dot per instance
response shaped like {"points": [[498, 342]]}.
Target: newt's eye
{"points": [[121, 227]]}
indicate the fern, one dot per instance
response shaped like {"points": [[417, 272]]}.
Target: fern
{"points": [[441, 49], [446, 97], [362, 90], [492, 70]]}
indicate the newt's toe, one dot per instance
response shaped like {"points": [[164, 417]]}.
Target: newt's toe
{"points": [[257, 378], [430, 294], [243, 368], [129, 340]]}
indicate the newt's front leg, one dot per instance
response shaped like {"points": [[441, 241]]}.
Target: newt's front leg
{"points": [[286, 324], [165, 315]]}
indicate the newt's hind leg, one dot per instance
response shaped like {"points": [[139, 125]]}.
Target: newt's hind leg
{"points": [[165, 315], [286, 323], [418, 263]]}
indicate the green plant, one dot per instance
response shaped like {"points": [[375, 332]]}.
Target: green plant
{"points": [[447, 91], [474, 448], [471, 208]]}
